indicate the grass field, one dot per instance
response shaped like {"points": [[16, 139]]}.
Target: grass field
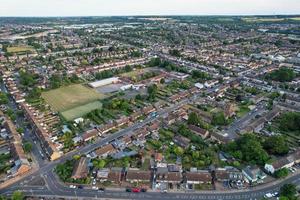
{"points": [[295, 18], [136, 72], [69, 97], [254, 19], [79, 111], [19, 49]]}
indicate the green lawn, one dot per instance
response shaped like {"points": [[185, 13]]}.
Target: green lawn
{"points": [[69, 97], [243, 110], [19, 49], [79, 111]]}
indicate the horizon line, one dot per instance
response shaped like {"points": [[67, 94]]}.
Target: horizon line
{"points": [[148, 15]]}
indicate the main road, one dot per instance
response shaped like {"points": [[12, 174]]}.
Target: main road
{"points": [[54, 188]]}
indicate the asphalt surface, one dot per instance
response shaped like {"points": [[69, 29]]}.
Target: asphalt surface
{"points": [[54, 188]]}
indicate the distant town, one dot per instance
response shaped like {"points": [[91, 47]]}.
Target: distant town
{"points": [[177, 107]]}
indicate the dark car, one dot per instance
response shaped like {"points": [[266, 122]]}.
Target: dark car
{"points": [[143, 190], [80, 187], [128, 190], [102, 189]]}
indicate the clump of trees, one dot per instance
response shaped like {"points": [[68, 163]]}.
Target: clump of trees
{"points": [[219, 119], [288, 192], [248, 148], [290, 122], [57, 80], [152, 92], [175, 52], [276, 145], [283, 74]]}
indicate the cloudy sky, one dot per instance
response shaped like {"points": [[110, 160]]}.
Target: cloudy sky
{"points": [[146, 7]]}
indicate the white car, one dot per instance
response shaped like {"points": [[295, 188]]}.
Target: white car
{"points": [[268, 195], [73, 186], [95, 188]]}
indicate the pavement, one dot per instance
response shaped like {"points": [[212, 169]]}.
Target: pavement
{"points": [[56, 189]]}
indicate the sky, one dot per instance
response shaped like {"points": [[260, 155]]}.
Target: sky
{"points": [[146, 7]]}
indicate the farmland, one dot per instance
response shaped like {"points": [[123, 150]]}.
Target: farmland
{"points": [[66, 98]]}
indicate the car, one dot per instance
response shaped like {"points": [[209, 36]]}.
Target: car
{"points": [[101, 189], [72, 186], [95, 188], [128, 190], [164, 191], [136, 190], [275, 194], [268, 195], [80, 187], [143, 190]]}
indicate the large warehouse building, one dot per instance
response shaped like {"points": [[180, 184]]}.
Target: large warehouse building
{"points": [[103, 82]]}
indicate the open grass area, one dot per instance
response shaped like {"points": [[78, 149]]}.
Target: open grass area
{"points": [[79, 111], [69, 97], [295, 18], [19, 49], [136, 72], [243, 110], [254, 19]]}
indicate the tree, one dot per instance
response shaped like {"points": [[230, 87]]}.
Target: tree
{"points": [[3, 98], [178, 151], [193, 119], [152, 91], [175, 52], [289, 191], [17, 195], [27, 147], [283, 74], [219, 119], [290, 122], [162, 81], [276, 145], [281, 173], [99, 163], [248, 148]]}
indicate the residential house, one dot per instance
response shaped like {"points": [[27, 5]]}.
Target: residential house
{"points": [[253, 174], [105, 150], [284, 162], [102, 174], [198, 177], [199, 131], [89, 135], [181, 141], [137, 176], [80, 170], [115, 175]]}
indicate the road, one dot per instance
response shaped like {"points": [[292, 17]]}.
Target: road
{"points": [[54, 188], [243, 121]]}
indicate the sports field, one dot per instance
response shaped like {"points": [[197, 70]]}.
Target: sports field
{"points": [[19, 49], [79, 111], [69, 97]]}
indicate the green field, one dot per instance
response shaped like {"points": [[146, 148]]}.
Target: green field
{"points": [[69, 97], [79, 111], [19, 49], [255, 19], [295, 18]]}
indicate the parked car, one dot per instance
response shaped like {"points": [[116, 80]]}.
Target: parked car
{"points": [[95, 188], [143, 190], [136, 190], [73, 186]]}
